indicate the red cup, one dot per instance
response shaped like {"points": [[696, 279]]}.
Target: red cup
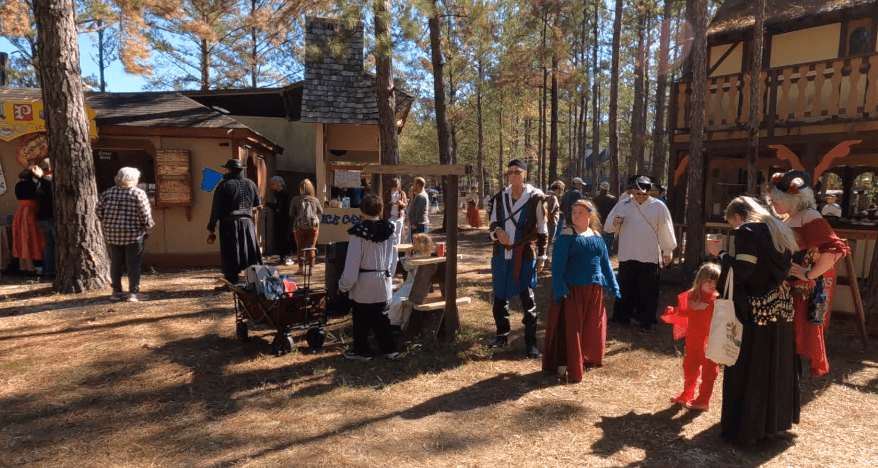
{"points": [[440, 249]]}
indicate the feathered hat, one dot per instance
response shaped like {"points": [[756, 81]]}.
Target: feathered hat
{"points": [[791, 181]]}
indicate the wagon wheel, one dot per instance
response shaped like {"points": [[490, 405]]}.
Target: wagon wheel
{"points": [[282, 343], [315, 337], [241, 330]]}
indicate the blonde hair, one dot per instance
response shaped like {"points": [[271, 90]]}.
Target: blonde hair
{"points": [[420, 182], [707, 272], [594, 219], [422, 244], [306, 187], [750, 211]]}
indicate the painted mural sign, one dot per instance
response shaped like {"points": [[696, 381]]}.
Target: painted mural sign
{"points": [[22, 118], [32, 149], [335, 222]]}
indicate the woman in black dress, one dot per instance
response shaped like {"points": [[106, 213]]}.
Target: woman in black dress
{"points": [[761, 391]]}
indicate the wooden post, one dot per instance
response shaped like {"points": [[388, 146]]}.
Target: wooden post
{"points": [[855, 292], [452, 319]]}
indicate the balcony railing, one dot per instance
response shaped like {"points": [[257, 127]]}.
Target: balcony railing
{"points": [[830, 90]]}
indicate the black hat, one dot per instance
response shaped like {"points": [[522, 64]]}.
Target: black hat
{"points": [[791, 181], [642, 184], [234, 164], [517, 163]]}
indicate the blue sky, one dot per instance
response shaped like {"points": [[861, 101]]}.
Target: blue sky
{"points": [[117, 80]]}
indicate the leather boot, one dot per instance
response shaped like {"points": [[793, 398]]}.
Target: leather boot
{"points": [[501, 342], [530, 341]]}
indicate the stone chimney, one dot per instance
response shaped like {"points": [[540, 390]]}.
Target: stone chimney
{"points": [[336, 88]]}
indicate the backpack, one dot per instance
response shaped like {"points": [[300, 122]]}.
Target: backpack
{"points": [[307, 218]]}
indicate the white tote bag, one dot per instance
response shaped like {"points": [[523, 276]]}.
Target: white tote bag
{"points": [[726, 330]]}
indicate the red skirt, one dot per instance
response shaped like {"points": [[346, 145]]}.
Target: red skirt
{"points": [[472, 215], [28, 240], [576, 334]]}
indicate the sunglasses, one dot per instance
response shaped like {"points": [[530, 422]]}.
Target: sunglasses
{"points": [[514, 172]]}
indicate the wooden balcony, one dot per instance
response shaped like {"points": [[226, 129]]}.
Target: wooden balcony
{"points": [[810, 94]]}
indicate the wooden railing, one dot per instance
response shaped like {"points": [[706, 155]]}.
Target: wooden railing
{"points": [[839, 89]]}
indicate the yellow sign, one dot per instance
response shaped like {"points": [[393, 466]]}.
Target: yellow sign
{"points": [[22, 118]]}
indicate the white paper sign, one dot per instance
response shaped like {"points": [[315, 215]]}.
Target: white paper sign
{"points": [[347, 179]]}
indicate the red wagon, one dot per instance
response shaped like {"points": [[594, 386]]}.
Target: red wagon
{"points": [[302, 309]]}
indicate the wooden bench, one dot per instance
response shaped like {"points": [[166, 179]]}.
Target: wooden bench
{"points": [[426, 313]]}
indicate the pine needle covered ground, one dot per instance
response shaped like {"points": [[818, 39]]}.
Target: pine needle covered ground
{"points": [[88, 382]]}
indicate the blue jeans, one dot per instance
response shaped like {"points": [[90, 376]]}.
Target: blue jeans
{"points": [[48, 226], [130, 255], [420, 228]]}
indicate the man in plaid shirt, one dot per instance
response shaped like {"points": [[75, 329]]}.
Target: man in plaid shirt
{"points": [[126, 217]]}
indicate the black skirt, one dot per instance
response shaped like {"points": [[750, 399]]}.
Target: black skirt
{"points": [[238, 247], [761, 394]]}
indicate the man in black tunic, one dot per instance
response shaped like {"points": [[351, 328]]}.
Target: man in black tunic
{"points": [[233, 202]]}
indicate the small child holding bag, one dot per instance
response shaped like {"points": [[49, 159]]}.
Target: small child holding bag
{"points": [[691, 319]]}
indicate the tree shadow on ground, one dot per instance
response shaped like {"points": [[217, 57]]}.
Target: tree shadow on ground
{"points": [[659, 435], [499, 389], [18, 333]]}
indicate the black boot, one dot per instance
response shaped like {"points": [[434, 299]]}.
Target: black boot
{"points": [[530, 341], [502, 341]]}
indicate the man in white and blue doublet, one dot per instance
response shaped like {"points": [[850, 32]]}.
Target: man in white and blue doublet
{"points": [[518, 229]]}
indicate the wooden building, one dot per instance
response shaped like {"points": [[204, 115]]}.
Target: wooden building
{"points": [[818, 107], [328, 122], [174, 141]]}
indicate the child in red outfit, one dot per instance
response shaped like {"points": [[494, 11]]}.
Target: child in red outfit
{"points": [[692, 320]]}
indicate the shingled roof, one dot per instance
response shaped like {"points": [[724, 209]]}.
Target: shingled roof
{"points": [[734, 15], [157, 109]]}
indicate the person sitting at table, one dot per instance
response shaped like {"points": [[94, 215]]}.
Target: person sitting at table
{"points": [[369, 267], [422, 246]]}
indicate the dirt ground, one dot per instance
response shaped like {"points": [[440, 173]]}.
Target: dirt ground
{"points": [[86, 382]]}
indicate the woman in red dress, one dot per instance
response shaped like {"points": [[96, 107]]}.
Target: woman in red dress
{"points": [[473, 217], [576, 333], [28, 240], [792, 197]]}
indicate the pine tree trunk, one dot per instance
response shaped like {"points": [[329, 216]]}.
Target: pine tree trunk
{"points": [[755, 87], [595, 93], [384, 84], [695, 198], [614, 100], [659, 167], [638, 125], [553, 142], [82, 263], [480, 124], [205, 65]]}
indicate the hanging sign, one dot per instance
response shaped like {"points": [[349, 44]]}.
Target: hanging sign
{"points": [[32, 149], [22, 118]]}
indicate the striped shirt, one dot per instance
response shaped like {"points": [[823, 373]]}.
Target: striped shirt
{"points": [[125, 215]]}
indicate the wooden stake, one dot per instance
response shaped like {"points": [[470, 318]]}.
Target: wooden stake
{"points": [[855, 292]]}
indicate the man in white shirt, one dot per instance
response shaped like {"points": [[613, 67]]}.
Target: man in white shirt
{"points": [[518, 229], [831, 208], [645, 236]]}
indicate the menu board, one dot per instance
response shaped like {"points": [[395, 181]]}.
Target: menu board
{"points": [[173, 178]]}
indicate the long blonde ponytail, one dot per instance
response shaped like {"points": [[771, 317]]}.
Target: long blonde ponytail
{"points": [[782, 236]]}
